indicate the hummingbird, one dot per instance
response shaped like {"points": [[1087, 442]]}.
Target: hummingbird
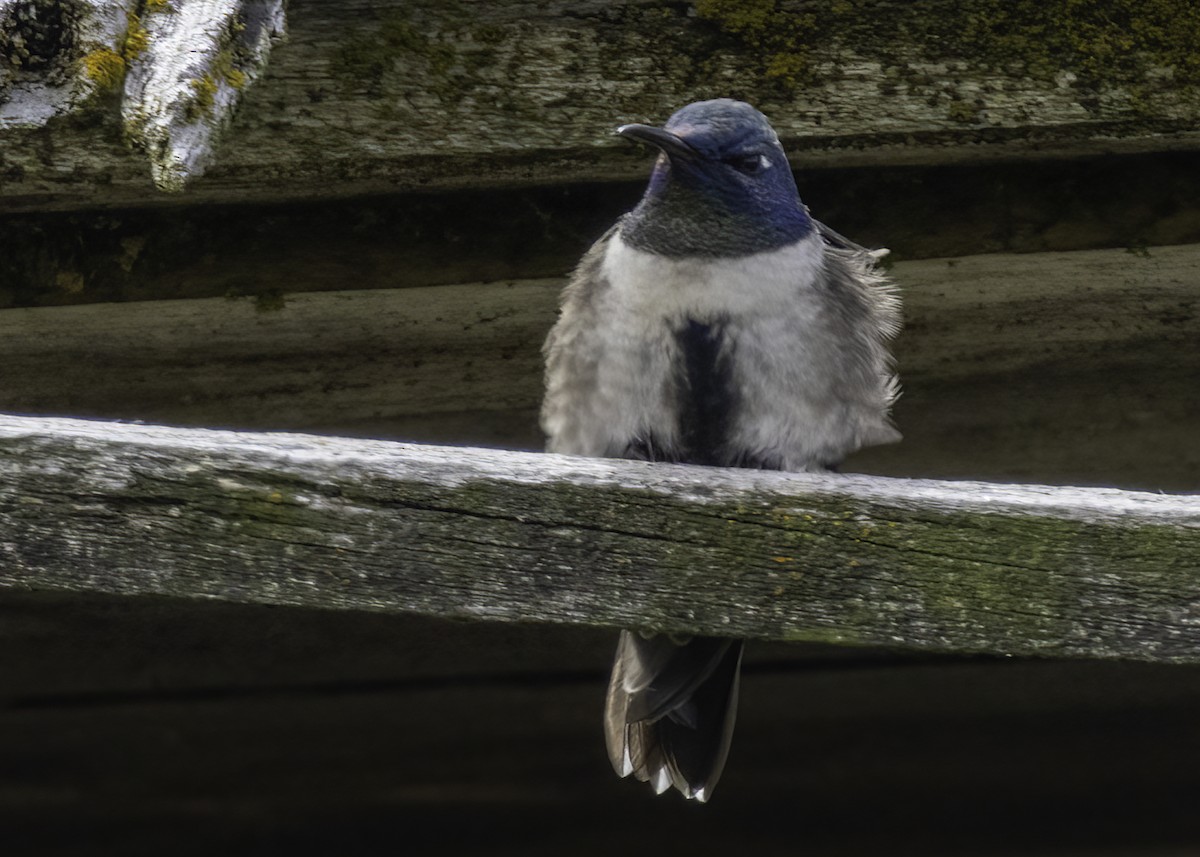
{"points": [[717, 323]]}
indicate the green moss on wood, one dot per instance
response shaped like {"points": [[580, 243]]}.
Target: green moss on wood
{"points": [[105, 68], [135, 40], [453, 63], [816, 567], [963, 111], [489, 34], [838, 574], [779, 41], [1136, 44], [223, 70], [204, 93], [769, 50], [1121, 41], [270, 300], [367, 54]]}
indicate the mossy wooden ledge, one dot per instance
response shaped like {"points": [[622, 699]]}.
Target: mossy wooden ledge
{"points": [[520, 537], [375, 96]]}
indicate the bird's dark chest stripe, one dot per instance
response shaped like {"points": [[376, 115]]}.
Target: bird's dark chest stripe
{"points": [[705, 391]]}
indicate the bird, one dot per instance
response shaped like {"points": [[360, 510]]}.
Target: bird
{"points": [[717, 323]]}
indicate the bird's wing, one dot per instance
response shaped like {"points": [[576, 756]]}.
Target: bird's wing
{"points": [[572, 354], [604, 378]]}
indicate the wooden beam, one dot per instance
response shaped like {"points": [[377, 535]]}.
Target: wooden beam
{"points": [[433, 239], [515, 537], [369, 96], [306, 358]]}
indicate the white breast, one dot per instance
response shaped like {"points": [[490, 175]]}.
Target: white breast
{"points": [[659, 288], [807, 392]]}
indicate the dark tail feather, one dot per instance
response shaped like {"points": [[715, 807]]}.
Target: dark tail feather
{"points": [[671, 708]]}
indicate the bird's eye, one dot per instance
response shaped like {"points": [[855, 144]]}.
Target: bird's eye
{"points": [[749, 164]]}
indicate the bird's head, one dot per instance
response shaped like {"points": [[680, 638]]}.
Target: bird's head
{"points": [[721, 186]]}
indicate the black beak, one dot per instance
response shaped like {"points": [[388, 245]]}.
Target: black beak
{"points": [[675, 147]]}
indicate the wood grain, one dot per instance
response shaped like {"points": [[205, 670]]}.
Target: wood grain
{"points": [[290, 519], [370, 96], [361, 354]]}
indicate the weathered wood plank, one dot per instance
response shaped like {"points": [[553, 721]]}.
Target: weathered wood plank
{"points": [[360, 354], [290, 519], [372, 96], [430, 239]]}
